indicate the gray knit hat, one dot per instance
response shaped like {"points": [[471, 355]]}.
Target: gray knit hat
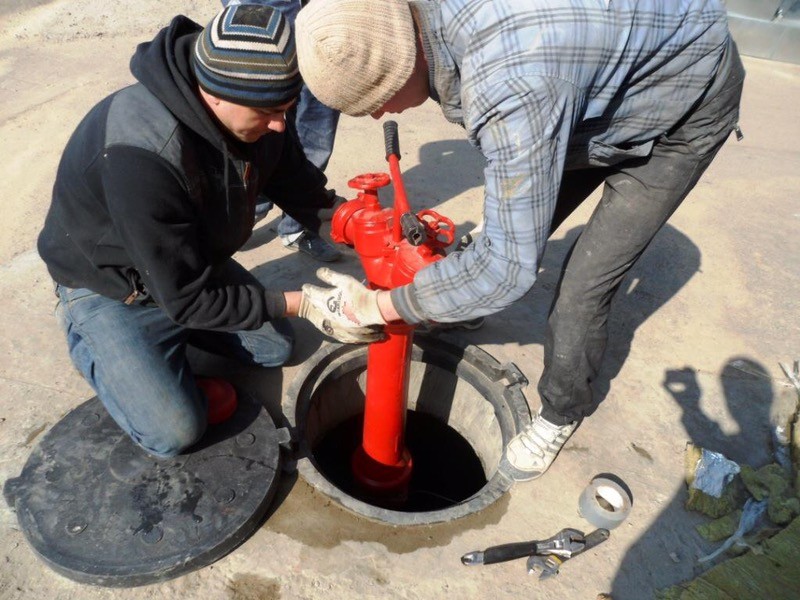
{"points": [[246, 55], [355, 55]]}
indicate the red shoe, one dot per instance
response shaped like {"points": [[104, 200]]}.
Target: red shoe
{"points": [[221, 398]]}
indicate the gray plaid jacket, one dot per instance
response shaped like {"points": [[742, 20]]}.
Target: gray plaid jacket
{"points": [[543, 86]]}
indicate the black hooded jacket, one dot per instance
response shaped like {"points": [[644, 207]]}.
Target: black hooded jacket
{"points": [[151, 192]]}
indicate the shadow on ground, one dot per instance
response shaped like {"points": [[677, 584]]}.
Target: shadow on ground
{"points": [[667, 552], [666, 266]]}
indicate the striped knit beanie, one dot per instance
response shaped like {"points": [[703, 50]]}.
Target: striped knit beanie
{"points": [[356, 54], [246, 55]]}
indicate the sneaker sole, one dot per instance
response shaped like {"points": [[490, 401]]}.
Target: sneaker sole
{"points": [[518, 474]]}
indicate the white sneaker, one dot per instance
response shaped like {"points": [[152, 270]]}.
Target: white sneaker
{"points": [[530, 453]]}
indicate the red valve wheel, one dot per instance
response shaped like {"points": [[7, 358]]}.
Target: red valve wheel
{"points": [[441, 230], [369, 181]]}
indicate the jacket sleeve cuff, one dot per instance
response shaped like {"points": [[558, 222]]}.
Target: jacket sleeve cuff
{"points": [[275, 303], [405, 303]]}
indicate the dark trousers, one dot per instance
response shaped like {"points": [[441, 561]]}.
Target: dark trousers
{"points": [[639, 195]]}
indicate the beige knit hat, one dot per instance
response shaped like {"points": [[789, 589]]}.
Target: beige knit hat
{"points": [[354, 55]]}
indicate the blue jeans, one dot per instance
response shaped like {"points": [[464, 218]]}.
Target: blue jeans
{"points": [[135, 359], [314, 122]]}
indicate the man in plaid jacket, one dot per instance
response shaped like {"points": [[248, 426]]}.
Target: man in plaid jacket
{"points": [[560, 96]]}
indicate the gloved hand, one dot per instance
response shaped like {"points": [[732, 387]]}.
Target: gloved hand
{"points": [[348, 304], [347, 334]]}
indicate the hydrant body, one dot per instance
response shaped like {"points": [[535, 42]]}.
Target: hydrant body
{"points": [[369, 228], [382, 464]]}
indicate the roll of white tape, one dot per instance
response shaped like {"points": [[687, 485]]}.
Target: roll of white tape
{"points": [[605, 503]]}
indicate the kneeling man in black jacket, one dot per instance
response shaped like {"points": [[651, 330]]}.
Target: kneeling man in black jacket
{"points": [[155, 192]]}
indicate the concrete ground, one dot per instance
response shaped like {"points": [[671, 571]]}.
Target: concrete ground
{"points": [[710, 310]]}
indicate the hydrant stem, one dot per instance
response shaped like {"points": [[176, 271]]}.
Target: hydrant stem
{"points": [[388, 365], [383, 464]]}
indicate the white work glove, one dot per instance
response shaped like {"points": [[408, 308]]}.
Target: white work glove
{"points": [[325, 307], [349, 334], [348, 304]]}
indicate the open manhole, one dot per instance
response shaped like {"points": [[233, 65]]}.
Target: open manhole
{"points": [[463, 408]]}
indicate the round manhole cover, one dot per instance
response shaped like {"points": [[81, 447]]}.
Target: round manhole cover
{"points": [[100, 510]]}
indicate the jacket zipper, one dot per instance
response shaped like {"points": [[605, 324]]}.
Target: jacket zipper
{"points": [[246, 176]]}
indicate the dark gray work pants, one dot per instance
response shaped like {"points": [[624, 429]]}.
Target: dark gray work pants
{"points": [[638, 198]]}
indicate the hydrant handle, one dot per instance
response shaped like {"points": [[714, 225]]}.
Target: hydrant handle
{"points": [[413, 229], [391, 140], [401, 207]]}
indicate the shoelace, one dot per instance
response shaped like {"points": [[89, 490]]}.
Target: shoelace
{"points": [[538, 438], [535, 442]]}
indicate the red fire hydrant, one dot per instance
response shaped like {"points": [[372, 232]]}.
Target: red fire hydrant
{"points": [[393, 244]]}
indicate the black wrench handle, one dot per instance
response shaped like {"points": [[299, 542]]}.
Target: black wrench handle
{"points": [[502, 553]]}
